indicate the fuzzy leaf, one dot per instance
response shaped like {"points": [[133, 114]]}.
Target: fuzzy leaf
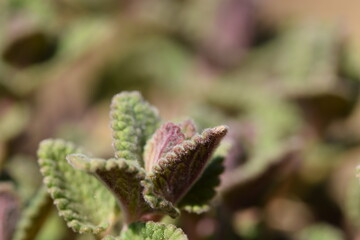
{"points": [[133, 121], [188, 128], [162, 142], [158, 202], [151, 231], [179, 169], [196, 200], [84, 203], [122, 177], [34, 216], [165, 139]]}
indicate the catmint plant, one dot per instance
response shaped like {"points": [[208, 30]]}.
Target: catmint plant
{"points": [[156, 170]]}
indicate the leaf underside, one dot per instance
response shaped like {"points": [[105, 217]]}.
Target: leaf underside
{"points": [[150, 231], [179, 169], [85, 204], [133, 121], [122, 177], [196, 200], [158, 202]]}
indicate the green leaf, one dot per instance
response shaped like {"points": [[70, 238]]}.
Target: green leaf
{"points": [[122, 177], [151, 231], [133, 121], [84, 203], [196, 200], [34, 216], [179, 169]]}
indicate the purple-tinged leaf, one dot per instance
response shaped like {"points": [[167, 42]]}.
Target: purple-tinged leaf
{"points": [[163, 141], [196, 200], [180, 168], [125, 179], [122, 177], [188, 128]]}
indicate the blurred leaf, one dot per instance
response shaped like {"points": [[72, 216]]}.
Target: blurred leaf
{"points": [[254, 186], [352, 201], [148, 63], [55, 228], [13, 118], [9, 211], [24, 170], [320, 232], [92, 6], [34, 216]]}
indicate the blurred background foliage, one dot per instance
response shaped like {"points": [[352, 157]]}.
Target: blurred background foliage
{"points": [[284, 75]]}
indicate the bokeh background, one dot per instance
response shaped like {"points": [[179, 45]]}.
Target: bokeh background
{"points": [[283, 74]]}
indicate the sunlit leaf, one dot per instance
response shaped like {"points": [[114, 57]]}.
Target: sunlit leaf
{"points": [[179, 169], [162, 142], [133, 122], [84, 203], [122, 177]]}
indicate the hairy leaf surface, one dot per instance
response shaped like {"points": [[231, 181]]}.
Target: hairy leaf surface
{"points": [[179, 169], [196, 200], [165, 139], [122, 177], [151, 231], [84, 203], [133, 121], [188, 128], [162, 142], [157, 201]]}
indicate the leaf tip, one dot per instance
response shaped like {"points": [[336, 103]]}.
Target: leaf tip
{"points": [[221, 130]]}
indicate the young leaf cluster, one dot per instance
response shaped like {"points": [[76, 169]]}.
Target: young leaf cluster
{"points": [[155, 171]]}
